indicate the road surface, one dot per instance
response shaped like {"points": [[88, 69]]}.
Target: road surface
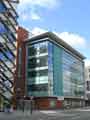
{"points": [[74, 114]]}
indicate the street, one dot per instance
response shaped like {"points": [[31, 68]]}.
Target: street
{"points": [[74, 114]]}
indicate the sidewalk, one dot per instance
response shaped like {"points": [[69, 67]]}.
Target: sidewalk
{"points": [[21, 113], [44, 114]]}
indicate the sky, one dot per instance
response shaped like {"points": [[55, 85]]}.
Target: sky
{"points": [[69, 19]]}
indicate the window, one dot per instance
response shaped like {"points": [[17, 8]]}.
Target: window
{"points": [[43, 61], [38, 48], [43, 47], [43, 73], [37, 75], [2, 7], [32, 63], [50, 63], [50, 48], [2, 28], [38, 62], [72, 75], [32, 74], [40, 87], [32, 51]]}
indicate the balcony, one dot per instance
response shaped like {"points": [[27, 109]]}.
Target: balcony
{"points": [[10, 7], [5, 77], [7, 29], [8, 24], [9, 21]]}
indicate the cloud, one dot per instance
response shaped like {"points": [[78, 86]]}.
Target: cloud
{"points": [[35, 16], [37, 31], [24, 16], [87, 62], [29, 9], [27, 16], [73, 39], [42, 3]]}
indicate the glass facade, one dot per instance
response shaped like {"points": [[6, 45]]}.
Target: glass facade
{"points": [[52, 71], [73, 75], [37, 69], [57, 71], [8, 24]]}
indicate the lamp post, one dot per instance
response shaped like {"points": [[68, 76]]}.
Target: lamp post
{"points": [[18, 97], [23, 102], [31, 104]]}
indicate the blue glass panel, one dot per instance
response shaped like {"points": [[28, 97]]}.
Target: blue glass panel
{"points": [[57, 71], [73, 79], [2, 28], [2, 7], [9, 55]]}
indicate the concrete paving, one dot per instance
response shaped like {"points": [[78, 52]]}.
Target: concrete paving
{"points": [[72, 114]]}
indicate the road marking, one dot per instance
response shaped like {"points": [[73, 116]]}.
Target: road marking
{"points": [[49, 112], [83, 109], [77, 117], [57, 113]]}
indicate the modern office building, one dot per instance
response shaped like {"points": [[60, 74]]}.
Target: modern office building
{"points": [[8, 25], [87, 80], [54, 72]]}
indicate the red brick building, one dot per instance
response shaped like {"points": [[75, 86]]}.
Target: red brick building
{"points": [[19, 79]]}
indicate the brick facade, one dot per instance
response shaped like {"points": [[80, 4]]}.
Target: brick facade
{"points": [[19, 81]]}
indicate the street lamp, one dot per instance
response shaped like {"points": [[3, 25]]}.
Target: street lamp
{"points": [[18, 97]]}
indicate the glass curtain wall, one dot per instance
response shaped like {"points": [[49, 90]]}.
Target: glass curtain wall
{"points": [[8, 23], [73, 74], [52, 71], [37, 69]]}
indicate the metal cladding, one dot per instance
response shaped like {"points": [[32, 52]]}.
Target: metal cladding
{"points": [[8, 25]]}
